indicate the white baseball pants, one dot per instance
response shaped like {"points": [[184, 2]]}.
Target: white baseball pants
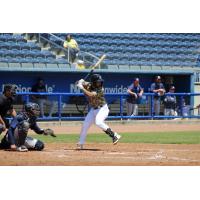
{"points": [[157, 106], [132, 109], [168, 111], [96, 116]]}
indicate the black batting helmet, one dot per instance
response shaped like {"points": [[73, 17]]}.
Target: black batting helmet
{"points": [[96, 78], [32, 109]]}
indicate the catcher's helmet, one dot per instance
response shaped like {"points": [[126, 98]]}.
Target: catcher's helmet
{"points": [[96, 78], [10, 87], [32, 108]]}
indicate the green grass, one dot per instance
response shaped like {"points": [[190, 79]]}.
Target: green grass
{"points": [[158, 138]]}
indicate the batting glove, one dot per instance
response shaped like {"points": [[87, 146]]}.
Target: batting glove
{"points": [[81, 81], [80, 86]]}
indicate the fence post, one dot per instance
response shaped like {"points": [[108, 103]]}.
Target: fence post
{"points": [[59, 106], [152, 105], [121, 106], [181, 104], [27, 98]]}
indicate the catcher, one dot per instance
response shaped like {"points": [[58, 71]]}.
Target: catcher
{"points": [[16, 138], [99, 110]]}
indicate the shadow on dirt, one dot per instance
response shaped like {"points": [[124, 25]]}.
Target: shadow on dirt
{"points": [[85, 149]]}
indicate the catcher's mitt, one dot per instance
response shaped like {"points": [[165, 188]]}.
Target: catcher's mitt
{"points": [[50, 132]]}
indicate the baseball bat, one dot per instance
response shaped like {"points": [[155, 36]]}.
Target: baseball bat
{"points": [[96, 65]]}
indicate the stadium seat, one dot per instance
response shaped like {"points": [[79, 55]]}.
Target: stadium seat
{"points": [[122, 49], [61, 61]]}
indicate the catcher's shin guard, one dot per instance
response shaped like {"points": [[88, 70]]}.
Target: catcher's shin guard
{"points": [[21, 133], [34, 144], [39, 146]]}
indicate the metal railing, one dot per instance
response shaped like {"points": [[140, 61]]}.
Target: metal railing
{"points": [[120, 113], [82, 55]]}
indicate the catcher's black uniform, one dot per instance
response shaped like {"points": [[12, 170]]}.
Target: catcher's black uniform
{"points": [[6, 104]]}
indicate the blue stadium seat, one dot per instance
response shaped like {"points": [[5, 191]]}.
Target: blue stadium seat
{"points": [[6, 60], [61, 61], [160, 49]]}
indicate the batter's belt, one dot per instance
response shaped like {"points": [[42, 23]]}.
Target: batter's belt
{"points": [[100, 106]]}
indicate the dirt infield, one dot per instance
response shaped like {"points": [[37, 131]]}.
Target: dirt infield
{"points": [[105, 154]]}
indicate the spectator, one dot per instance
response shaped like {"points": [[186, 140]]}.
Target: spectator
{"points": [[170, 103], [42, 100], [80, 64], [158, 89], [72, 46], [135, 92]]}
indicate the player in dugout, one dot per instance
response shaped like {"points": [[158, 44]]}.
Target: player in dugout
{"points": [[135, 92], [158, 89], [170, 103]]}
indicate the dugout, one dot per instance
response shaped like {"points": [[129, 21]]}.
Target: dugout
{"points": [[115, 81]]}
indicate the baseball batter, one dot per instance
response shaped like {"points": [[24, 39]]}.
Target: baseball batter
{"points": [[99, 111]]}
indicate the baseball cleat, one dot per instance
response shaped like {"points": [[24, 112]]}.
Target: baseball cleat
{"points": [[22, 149], [79, 146], [116, 138]]}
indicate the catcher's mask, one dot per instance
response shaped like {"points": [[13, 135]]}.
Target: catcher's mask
{"points": [[33, 109], [11, 89], [96, 81]]}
